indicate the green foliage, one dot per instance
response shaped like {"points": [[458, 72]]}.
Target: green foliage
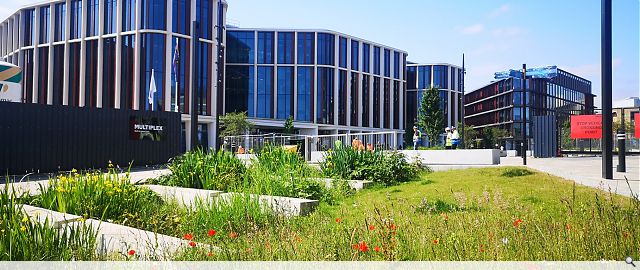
{"points": [[470, 136], [515, 172], [387, 168], [492, 136], [22, 239], [288, 125], [214, 170], [430, 116], [436, 207], [234, 123]]}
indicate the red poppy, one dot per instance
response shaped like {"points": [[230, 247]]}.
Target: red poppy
{"points": [[567, 226], [338, 220], [371, 227], [517, 222], [233, 234], [131, 252], [192, 244], [436, 241], [376, 249], [188, 236], [481, 248], [209, 254], [355, 246], [394, 227], [211, 233], [363, 247]]}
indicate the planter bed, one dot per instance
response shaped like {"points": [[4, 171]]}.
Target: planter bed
{"points": [[184, 196]]}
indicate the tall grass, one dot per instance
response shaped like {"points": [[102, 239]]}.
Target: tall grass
{"points": [[22, 239]]}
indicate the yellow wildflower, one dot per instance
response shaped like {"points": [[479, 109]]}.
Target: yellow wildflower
{"points": [[25, 219], [23, 229]]}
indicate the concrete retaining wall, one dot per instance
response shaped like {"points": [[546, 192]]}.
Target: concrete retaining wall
{"points": [[454, 157]]}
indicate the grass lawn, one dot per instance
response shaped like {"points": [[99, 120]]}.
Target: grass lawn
{"points": [[473, 214]]}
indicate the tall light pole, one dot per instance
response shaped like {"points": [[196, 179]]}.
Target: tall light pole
{"points": [[195, 79], [607, 117], [462, 112], [524, 114]]}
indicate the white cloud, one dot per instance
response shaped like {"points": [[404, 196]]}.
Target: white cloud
{"points": [[473, 29], [590, 70], [507, 31], [499, 11]]}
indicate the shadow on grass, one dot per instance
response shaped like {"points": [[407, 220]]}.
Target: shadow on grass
{"points": [[439, 206]]}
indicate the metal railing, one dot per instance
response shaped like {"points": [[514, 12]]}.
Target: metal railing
{"points": [[369, 141], [255, 143]]}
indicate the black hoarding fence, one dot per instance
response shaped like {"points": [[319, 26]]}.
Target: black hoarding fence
{"points": [[46, 138], [545, 139]]}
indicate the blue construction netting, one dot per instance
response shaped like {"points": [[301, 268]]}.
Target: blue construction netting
{"points": [[532, 73]]}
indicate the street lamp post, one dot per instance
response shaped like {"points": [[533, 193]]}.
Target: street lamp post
{"points": [[195, 82], [524, 114], [607, 117]]}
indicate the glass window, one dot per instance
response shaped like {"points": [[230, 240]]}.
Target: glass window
{"points": [[203, 136], [365, 100], [265, 47], [58, 77], [240, 46], [154, 15], [179, 77], [306, 48], [387, 103], [343, 92], [109, 73], [411, 78], [305, 94], [128, 15], [44, 24], [355, 52], [326, 49], [365, 57], [27, 75], [440, 77], [152, 53], [28, 20], [376, 60], [204, 12], [74, 74], [343, 52], [91, 74], [92, 18], [376, 102], [204, 88], [453, 80], [396, 104], [182, 16], [239, 89], [354, 98], [424, 77], [285, 48], [60, 15], [265, 92], [110, 15], [396, 65], [387, 63], [325, 96], [43, 74], [76, 18], [127, 61], [285, 92]]}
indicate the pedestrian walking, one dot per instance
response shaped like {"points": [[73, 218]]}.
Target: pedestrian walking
{"points": [[416, 137], [447, 142], [455, 138]]}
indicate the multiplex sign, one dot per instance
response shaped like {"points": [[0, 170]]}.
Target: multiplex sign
{"points": [[150, 128], [586, 126], [10, 77]]}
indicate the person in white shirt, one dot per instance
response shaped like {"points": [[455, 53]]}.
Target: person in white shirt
{"points": [[455, 138]]}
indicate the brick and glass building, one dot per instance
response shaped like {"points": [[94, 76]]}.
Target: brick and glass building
{"points": [[109, 53], [549, 91], [329, 82]]}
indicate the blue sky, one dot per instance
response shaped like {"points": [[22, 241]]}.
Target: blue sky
{"points": [[494, 35]]}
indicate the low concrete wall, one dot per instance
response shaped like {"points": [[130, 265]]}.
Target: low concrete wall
{"points": [[184, 196], [282, 205], [454, 157], [317, 156], [354, 184]]}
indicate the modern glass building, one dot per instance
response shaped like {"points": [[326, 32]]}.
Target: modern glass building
{"points": [[447, 78], [329, 82], [549, 91], [120, 54]]}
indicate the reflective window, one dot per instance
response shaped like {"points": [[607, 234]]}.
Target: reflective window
{"points": [[239, 89], [387, 103], [424, 77], [28, 20], [75, 12], [203, 89], [43, 74], [27, 75], [376, 60], [365, 100], [91, 74], [387, 63], [285, 48], [444, 103], [453, 79], [204, 12], [74, 74], [396, 65], [325, 96], [92, 18], [365, 57], [265, 92], [127, 61], [355, 52], [109, 73], [285, 92], [440, 77], [354, 98], [44, 24], [152, 53], [412, 77], [128, 15], [306, 48], [60, 19], [154, 15], [326, 49], [343, 52], [305, 94], [396, 104], [265, 47], [110, 15], [179, 77], [343, 92], [376, 102], [58, 77], [182, 16], [240, 47]]}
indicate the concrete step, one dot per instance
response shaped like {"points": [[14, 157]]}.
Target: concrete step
{"points": [[283, 205], [55, 219], [184, 196]]}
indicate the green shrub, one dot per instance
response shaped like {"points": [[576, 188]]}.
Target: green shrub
{"points": [[24, 240], [515, 172], [387, 168], [214, 170], [278, 160]]}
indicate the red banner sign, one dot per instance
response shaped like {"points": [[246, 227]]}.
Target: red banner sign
{"points": [[637, 128], [586, 126]]}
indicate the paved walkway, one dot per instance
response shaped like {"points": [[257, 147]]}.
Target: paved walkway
{"points": [[586, 171]]}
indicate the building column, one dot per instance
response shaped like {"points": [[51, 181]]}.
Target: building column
{"points": [[100, 66], [36, 55], [118, 60], [348, 96], [295, 76], [136, 65], [67, 31], [50, 65], [336, 79], [168, 63], [275, 75]]}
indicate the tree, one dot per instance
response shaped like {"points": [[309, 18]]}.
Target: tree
{"points": [[492, 135], [430, 117], [233, 124], [469, 134], [288, 125]]}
